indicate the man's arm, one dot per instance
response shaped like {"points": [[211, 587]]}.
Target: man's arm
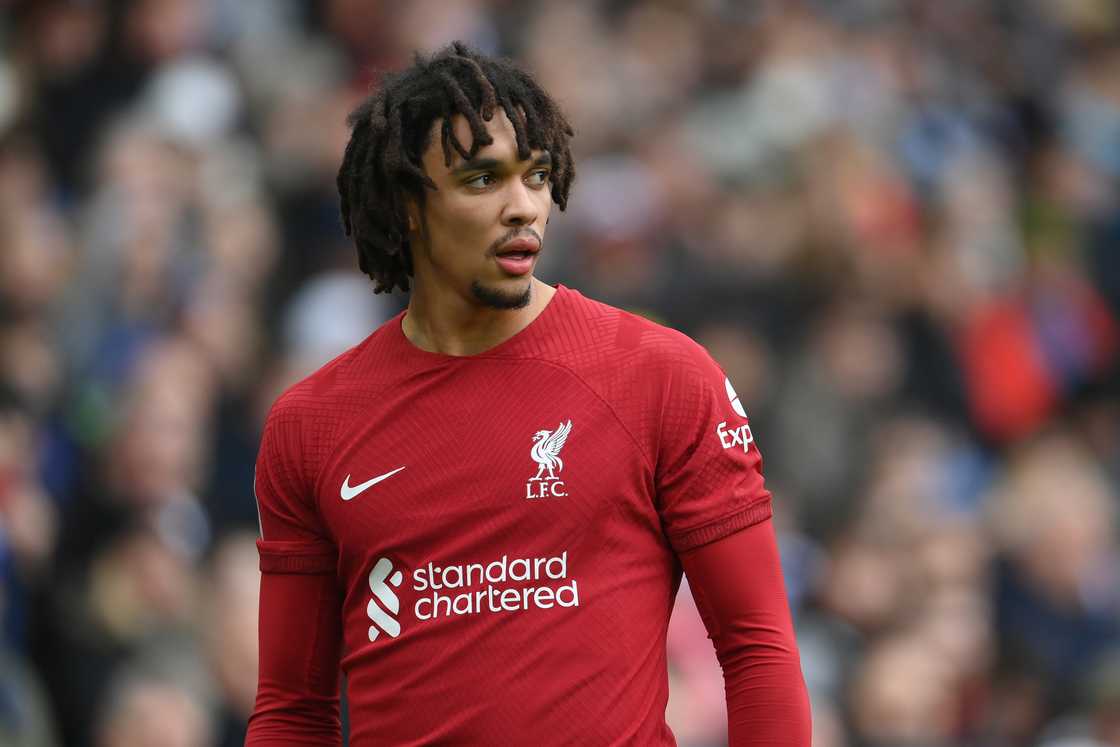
{"points": [[738, 587], [300, 629], [300, 635]]}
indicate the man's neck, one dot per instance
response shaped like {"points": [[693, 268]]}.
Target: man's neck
{"points": [[455, 326]]}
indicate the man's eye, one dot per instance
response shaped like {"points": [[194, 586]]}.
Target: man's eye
{"points": [[480, 181], [538, 177]]}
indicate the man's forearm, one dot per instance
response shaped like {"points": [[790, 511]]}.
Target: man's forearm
{"points": [[297, 694], [737, 583]]}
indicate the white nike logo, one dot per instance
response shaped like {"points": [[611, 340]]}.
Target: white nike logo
{"points": [[349, 493]]}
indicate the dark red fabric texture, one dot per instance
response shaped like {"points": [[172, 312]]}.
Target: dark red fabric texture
{"points": [[738, 587]]}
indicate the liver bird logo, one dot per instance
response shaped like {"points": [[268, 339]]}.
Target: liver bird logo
{"points": [[546, 450]]}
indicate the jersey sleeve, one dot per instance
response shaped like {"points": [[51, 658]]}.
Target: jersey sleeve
{"points": [[708, 470], [293, 539], [738, 587], [300, 605]]}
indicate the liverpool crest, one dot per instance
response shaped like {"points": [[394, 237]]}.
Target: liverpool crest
{"points": [[546, 453]]}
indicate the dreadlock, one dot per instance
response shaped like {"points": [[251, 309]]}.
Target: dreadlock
{"points": [[390, 131]]}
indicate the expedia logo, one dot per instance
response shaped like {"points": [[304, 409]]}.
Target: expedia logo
{"points": [[739, 435]]}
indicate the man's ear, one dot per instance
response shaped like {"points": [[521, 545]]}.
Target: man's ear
{"points": [[413, 212], [416, 227]]}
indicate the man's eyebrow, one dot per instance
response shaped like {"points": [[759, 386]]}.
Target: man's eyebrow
{"points": [[493, 164], [477, 164]]}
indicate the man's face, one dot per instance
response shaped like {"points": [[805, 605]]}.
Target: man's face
{"points": [[478, 235]]}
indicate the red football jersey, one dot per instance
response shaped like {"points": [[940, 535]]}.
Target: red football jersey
{"points": [[503, 528]]}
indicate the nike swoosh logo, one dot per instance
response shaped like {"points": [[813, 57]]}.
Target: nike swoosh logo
{"points": [[350, 493]]}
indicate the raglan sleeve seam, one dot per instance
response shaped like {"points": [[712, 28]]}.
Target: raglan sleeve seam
{"points": [[610, 408]]}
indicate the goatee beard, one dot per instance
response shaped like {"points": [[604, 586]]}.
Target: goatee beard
{"points": [[497, 300]]}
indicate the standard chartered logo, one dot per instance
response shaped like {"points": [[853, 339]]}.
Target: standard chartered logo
{"points": [[382, 620], [502, 585]]}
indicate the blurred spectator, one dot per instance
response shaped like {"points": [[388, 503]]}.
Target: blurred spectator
{"points": [[230, 632], [1058, 587], [148, 711]]}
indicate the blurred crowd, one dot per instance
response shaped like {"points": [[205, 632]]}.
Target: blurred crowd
{"points": [[895, 223]]}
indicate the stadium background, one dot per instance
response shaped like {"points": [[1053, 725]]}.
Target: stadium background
{"points": [[895, 224]]}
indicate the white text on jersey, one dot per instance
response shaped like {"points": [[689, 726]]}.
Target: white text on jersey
{"points": [[729, 437]]}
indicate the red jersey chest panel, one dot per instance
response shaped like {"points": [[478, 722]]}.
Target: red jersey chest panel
{"points": [[484, 507], [503, 528], [486, 451]]}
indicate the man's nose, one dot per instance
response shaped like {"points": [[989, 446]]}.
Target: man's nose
{"points": [[520, 208]]}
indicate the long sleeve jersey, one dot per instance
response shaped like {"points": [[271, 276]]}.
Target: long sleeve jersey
{"points": [[489, 546]]}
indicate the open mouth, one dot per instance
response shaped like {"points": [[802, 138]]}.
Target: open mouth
{"points": [[516, 256], [516, 263]]}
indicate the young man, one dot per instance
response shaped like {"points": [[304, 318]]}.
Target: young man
{"points": [[481, 512]]}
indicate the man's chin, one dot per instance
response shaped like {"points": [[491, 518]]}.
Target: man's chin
{"points": [[495, 297]]}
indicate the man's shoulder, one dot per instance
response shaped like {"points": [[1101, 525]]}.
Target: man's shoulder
{"points": [[334, 383], [643, 344], [641, 368]]}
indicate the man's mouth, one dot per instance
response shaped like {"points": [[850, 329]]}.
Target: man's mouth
{"points": [[516, 257], [521, 247]]}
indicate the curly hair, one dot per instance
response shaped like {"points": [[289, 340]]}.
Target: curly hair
{"points": [[382, 168]]}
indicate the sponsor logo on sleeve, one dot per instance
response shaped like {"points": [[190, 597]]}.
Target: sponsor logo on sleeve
{"points": [[736, 405], [738, 435]]}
